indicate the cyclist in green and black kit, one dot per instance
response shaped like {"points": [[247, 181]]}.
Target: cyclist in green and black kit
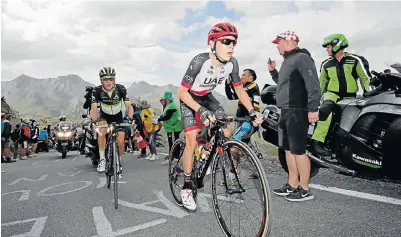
{"points": [[338, 80]]}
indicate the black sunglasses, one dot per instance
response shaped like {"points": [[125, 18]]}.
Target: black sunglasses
{"points": [[228, 41]]}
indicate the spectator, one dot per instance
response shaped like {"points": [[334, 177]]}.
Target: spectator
{"points": [[5, 138], [15, 137], [146, 115], [156, 126], [171, 119], [298, 97], [134, 128], [34, 136], [43, 140], [25, 136], [162, 102]]}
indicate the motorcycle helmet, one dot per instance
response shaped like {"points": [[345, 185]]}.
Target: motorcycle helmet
{"points": [[337, 41], [63, 118], [107, 72]]}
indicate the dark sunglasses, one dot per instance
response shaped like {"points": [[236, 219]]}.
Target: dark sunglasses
{"points": [[227, 41], [108, 79]]}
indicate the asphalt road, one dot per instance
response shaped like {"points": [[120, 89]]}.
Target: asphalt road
{"points": [[49, 196]]}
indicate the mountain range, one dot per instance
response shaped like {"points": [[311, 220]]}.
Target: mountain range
{"points": [[52, 97]]}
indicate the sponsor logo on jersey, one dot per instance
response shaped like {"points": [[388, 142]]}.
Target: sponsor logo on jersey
{"points": [[197, 58], [212, 81]]}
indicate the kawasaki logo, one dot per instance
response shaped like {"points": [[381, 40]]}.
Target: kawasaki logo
{"points": [[375, 162]]}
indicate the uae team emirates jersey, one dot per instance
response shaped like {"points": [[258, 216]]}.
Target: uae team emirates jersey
{"points": [[202, 77]]}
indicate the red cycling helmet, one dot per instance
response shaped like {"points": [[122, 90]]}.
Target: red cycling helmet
{"points": [[222, 29]]}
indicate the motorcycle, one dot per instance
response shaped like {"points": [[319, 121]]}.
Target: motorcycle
{"points": [[364, 136], [65, 137], [91, 146]]}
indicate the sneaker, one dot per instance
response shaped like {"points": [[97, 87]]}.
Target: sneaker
{"points": [[141, 156], [153, 157], [188, 199], [149, 156], [101, 167], [285, 190], [300, 195]]}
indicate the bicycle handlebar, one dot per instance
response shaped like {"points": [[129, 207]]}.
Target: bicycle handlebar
{"points": [[229, 120], [117, 125]]}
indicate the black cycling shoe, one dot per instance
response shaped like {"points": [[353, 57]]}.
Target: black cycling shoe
{"points": [[285, 190], [300, 195]]}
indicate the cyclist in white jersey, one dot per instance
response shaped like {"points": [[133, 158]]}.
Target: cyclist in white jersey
{"points": [[205, 72]]}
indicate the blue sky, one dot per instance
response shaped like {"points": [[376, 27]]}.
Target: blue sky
{"points": [[212, 9]]}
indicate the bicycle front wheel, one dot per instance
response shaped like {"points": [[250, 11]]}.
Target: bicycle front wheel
{"points": [[240, 191], [115, 171]]}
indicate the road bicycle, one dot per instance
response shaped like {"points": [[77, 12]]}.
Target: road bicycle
{"points": [[113, 159], [219, 157]]}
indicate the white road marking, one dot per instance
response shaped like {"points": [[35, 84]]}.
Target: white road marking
{"points": [[61, 174], [36, 162], [36, 229], [103, 226], [203, 203], [161, 153], [24, 194], [352, 193], [102, 182], [43, 192], [74, 158], [223, 198], [56, 160], [172, 209], [43, 177]]}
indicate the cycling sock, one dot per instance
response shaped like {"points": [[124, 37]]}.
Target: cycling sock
{"points": [[101, 154], [187, 181]]}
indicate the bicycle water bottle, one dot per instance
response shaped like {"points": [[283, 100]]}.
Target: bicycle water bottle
{"points": [[242, 130]]}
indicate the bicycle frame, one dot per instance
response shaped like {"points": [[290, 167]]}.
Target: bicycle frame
{"points": [[219, 140]]}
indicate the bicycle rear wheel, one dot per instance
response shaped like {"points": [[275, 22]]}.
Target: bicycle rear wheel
{"points": [[233, 191], [115, 173]]}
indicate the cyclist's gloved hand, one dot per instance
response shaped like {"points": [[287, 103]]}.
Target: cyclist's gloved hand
{"points": [[257, 117], [206, 116]]}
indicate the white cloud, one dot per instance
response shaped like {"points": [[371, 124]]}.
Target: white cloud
{"points": [[48, 39]]}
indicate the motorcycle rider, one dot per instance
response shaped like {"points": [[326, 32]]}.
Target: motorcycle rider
{"points": [[111, 97], [338, 81]]}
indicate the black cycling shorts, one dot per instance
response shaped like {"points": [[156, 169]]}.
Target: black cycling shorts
{"points": [[117, 118], [188, 116], [293, 131]]}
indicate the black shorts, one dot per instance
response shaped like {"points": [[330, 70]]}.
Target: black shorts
{"points": [[188, 116], [34, 140], [293, 131], [116, 118]]}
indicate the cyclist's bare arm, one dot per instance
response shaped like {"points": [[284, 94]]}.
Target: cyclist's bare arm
{"points": [[244, 98], [128, 105], [93, 112]]}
